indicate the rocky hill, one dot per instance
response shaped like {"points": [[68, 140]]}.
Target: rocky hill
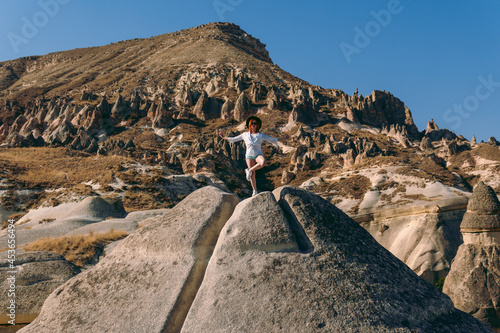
{"points": [[135, 124]]}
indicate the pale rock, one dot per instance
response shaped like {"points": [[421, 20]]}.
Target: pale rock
{"points": [[302, 265], [145, 283], [473, 283], [287, 177], [227, 108]]}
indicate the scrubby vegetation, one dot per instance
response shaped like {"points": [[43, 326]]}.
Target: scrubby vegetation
{"points": [[80, 249]]}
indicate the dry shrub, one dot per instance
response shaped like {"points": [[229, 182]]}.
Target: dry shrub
{"points": [[387, 185], [352, 187], [401, 188], [415, 196], [488, 152], [48, 220], [79, 249]]}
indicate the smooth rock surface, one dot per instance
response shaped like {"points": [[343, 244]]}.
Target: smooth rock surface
{"points": [[339, 280], [148, 278], [427, 242], [64, 218]]}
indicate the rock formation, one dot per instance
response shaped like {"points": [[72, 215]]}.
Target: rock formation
{"points": [[492, 141], [425, 144], [243, 108], [207, 107], [473, 283], [38, 275], [434, 133], [287, 261], [381, 109], [427, 242], [147, 277]]}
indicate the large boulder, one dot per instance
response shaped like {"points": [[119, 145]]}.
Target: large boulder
{"points": [[37, 274], [298, 264], [148, 278]]}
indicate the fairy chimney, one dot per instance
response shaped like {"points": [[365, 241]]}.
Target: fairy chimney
{"points": [[482, 217], [473, 283]]}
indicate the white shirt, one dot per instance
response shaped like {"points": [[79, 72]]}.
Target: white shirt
{"points": [[253, 142]]}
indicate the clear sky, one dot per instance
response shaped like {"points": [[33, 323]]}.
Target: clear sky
{"points": [[439, 57]]}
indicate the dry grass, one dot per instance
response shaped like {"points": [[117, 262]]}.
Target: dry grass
{"points": [[488, 152], [40, 169], [427, 169], [388, 197], [352, 187], [36, 168], [80, 249], [141, 200]]}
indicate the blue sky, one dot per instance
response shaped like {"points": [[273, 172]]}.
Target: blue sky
{"points": [[440, 58]]}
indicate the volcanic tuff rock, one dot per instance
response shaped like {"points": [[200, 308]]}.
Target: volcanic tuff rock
{"points": [[58, 221], [473, 282], [284, 261], [427, 242], [38, 275], [143, 283]]}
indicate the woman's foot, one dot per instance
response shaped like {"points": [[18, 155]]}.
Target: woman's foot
{"points": [[254, 193], [248, 173]]}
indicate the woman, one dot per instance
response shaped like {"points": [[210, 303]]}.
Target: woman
{"points": [[253, 142]]}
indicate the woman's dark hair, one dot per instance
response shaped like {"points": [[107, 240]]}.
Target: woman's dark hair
{"points": [[257, 119]]}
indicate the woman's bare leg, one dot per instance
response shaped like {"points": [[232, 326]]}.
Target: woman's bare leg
{"points": [[250, 164], [260, 162]]}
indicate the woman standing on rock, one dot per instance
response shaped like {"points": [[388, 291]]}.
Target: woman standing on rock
{"points": [[253, 142]]}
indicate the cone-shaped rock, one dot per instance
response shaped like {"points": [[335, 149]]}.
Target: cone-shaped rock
{"points": [[336, 279], [243, 108], [483, 211], [474, 279], [484, 200]]}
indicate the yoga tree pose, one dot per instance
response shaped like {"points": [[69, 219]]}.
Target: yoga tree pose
{"points": [[253, 142]]}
